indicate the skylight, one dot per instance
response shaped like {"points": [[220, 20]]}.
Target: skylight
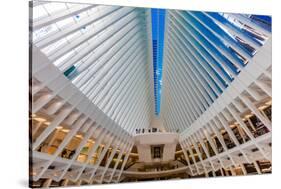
{"points": [[158, 27]]}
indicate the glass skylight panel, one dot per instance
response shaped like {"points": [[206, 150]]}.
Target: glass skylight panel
{"points": [[63, 58], [202, 61], [242, 58], [39, 12], [211, 48], [264, 21], [204, 52], [73, 36], [204, 32], [158, 26], [54, 7], [43, 32], [235, 27], [70, 5], [86, 84], [245, 45], [93, 10], [79, 77], [65, 22], [50, 49], [81, 47], [261, 38], [248, 30], [224, 34], [86, 57], [54, 46], [207, 74]]}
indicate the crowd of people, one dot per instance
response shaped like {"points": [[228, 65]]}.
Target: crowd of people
{"points": [[147, 130]]}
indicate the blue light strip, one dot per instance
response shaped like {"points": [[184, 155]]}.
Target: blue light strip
{"points": [[158, 27]]}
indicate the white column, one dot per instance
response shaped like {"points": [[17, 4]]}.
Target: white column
{"points": [[232, 171], [256, 111], [47, 183], [222, 173], [65, 141], [127, 148], [124, 163], [199, 138], [257, 167], [98, 141], [187, 159], [220, 138], [65, 182], [191, 141], [243, 169], [246, 129], [79, 148], [214, 147], [78, 183], [34, 130], [101, 157], [192, 156], [109, 159]]}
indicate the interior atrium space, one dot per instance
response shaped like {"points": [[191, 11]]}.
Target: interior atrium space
{"points": [[125, 94]]}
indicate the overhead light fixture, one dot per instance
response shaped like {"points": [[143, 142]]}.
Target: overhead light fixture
{"points": [[65, 130], [40, 119], [47, 123], [248, 116], [59, 127], [262, 107], [269, 102], [79, 136]]}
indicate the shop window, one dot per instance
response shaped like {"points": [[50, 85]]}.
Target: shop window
{"points": [[219, 145], [229, 143], [267, 112], [237, 135], [260, 128], [210, 149]]}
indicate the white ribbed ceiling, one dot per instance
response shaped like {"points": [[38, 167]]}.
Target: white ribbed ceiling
{"points": [[204, 53], [106, 52], [103, 51]]}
